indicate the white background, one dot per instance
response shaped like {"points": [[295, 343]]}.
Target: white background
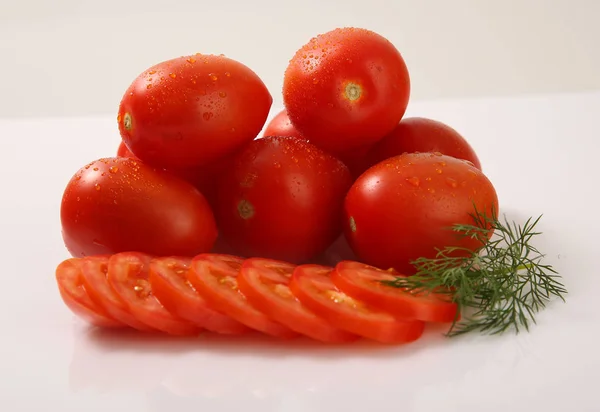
{"points": [[72, 57]]}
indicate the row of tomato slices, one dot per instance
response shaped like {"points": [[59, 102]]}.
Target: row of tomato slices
{"points": [[231, 295]]}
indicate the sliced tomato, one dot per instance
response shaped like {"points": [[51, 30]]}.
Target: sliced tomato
{"points": [[73, 293], [128, 276], [168, 280], [265, 283], [364, 282], [312, 285], [215, 276], [94, 270]]}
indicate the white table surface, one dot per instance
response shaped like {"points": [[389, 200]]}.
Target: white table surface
{"points": [[540, 152]]}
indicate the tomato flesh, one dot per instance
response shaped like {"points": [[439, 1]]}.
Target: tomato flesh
{"points": [[128, 276], [95, 270], [364, 283], [215, 277], [75, 296], [168, 280], [265, 283], [312, 285]]}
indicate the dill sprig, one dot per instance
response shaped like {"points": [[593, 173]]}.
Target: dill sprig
{"points": [[500, 287]]}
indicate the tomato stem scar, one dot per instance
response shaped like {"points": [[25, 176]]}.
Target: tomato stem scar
{"points": [[352, 91], [245, 209], [127, 121]]}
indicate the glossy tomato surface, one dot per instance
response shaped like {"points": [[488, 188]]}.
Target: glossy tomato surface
{"points": [[281, 125], [346, 88], [191, 111], [403, 208], [123, 151], [282, 199], [419, 134], [119, 204]]}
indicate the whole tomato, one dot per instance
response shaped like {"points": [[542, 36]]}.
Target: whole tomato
{"points": [[282, 199], [419, 134], [346, 88], [281, 125], [192, 111], [120, 204], [403, 208]]}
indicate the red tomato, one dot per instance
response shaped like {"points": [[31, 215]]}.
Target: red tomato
{"points": [[265, 282], [417, 134], [128, 276], [123, 151], [312, 285], [191, 111], [346, 88], [119, 204], [364, 282], [281, 125], [215, 277], [75, 296], [356, 159], [168, 280], [282, 199], [402, 208], [94, 270]]}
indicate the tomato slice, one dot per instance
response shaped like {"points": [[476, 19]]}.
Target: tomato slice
{"points": [[363, 282], [313, 286], [215, 277], [75, 296], [265, 283], [94, 270], [128, 276], [168, 280]]}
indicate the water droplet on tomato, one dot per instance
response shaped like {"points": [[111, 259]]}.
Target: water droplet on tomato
{"points": [[428, 179], [149, 86], [172, 75], [438, 171], [431, 190], [207, 115], [222, 94], [78, 198], [227, 74], [414, 181], [277, 165], [468, 162], [191, 60], [451, 182], [213, 76], [97, 186], [315, 81], [437, 153], [113, 169]]}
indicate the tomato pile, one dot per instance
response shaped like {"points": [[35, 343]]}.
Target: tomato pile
{"points": [[200, 222]]}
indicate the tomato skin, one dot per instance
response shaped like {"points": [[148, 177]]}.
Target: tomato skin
{"points": [[123, 151], [215, 277], [418, 134], [265, 283], [120, 204], [193, 110], [364, 282], [73, 293], [282, 200], [312, 285], [346, 88], [401, 209], [281, 125], [128, 276], [168, 279]]}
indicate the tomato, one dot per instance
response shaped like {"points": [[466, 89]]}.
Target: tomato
{"points": [[119, 204], [281, 125], [215, 276], [75, 296], [418, 134], [265, 282], [356, 159], [364, 282], [128, 276], [312, 285], [403, 208], [168, 280], [192, 111], [123, 151], [94, 270], [282, 199], [346, 88]]}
